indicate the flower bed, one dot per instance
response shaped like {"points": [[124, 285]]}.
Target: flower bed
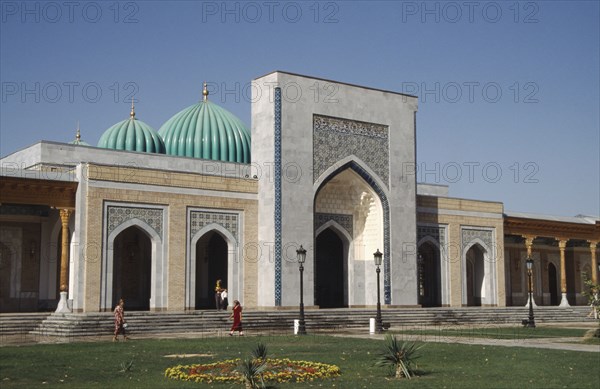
{"points": [[277, 370]]}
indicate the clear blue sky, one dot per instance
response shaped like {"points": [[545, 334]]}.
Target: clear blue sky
{"points": [[509, 91]]}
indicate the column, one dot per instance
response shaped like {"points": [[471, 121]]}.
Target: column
{"points": [[594, 261], [63, 306], [562, 245], [529, 246]]}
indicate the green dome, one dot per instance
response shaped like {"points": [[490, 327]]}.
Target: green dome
{"points": [[207, 131], [78, 141], [132, 135]]}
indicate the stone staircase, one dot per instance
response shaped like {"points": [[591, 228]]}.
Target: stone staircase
{"points": [[101, 324], [21, 323]]}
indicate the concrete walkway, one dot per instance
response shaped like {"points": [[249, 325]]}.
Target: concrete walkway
{"points": [[569, 344]]}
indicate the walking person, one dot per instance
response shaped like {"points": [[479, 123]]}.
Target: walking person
{"points": [[224, 302], [236, 315], [594, 304], [218, 290], [120, 320]]}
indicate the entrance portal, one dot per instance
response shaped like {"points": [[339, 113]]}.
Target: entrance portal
{"points": [[211, 265], [132, 269], [5, 273], [329, 270], [430, 291], [475, 275]]}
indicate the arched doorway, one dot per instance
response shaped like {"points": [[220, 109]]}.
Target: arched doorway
{"points": [[429, 281], [475, 275], [552, 284], [132, 269], [330, 271], [211, 265], [5, 273]]}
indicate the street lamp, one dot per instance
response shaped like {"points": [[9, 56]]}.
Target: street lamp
{"points": [[377, 256], [301, 253], [531, 320]]}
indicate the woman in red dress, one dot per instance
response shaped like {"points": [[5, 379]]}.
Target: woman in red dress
{"points": [[236, 315], [119, 320]]}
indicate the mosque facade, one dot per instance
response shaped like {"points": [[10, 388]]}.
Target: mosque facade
{"points": [[156, 217]]}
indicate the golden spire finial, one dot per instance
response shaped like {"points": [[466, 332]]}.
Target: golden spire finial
{"points": [[132, 113], [204, 92], [78, 134]]}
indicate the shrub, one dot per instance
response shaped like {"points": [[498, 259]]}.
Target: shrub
{"points": [[260, 352], [252, 370], [399, 356]]}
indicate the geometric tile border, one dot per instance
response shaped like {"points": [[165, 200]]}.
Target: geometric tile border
{"points": [[343, 220], [200, 219], [117, 215], [277, 215]]}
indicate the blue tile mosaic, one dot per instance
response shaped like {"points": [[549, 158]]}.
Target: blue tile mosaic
{"points": [[277, 215], [345, 221], [335, 139], [436, 232]]}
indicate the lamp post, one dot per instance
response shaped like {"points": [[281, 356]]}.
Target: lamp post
{"points": [[377, 256], [301, 253], [531, 320]]}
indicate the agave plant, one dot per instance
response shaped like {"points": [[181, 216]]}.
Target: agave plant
{"points": [[260, 352], [126, 366], [252, 369], [399, 356]]}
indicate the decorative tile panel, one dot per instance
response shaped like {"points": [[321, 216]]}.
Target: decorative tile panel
{"points": [[468, 235], [345, 221], [117, 215], [436, 232], [335, 139], [277, 215], [200, 219]]}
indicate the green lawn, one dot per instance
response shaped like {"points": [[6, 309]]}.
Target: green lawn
{"points": [[442, 365]]}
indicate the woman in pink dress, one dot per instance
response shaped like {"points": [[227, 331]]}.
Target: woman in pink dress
{"points": [[236, 315], [119, 320]]}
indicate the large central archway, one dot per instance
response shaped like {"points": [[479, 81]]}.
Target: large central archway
{"points": [[349, 228]]}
